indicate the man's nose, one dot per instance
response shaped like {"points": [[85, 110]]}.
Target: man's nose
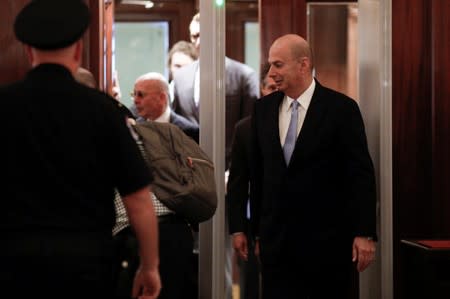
{"points": [[197, 43]]}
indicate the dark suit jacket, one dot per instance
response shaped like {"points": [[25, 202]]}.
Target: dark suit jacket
{"points": [[188, 127], [239, 177], [309, 212], [242, 89], [185, 125]]}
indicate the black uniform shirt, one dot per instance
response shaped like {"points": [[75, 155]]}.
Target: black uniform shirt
{"points": [[65, 147]]}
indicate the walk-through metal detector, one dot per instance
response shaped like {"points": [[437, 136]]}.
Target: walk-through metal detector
{"points": [[212, 140]]}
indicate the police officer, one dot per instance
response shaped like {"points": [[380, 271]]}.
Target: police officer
{"points": [[62, 160]]}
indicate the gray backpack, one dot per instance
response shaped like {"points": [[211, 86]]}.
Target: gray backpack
{"points": [[184, 178]]}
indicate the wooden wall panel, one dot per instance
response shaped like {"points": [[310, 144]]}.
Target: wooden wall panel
{"points": [[279, 17], [93, 41], [108, 33], [411, 121], [421, 126], [441, 116], [178, 13], [13, 59], [237, 13], [411, 75]]}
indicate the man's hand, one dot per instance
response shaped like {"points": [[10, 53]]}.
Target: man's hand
{"points": [[257, 249], [147, 284], [363, 251], [240, 245]]}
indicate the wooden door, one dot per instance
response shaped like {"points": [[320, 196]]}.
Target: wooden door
{"points": [[13, 60]]}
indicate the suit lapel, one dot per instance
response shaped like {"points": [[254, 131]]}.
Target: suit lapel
{"points": [[308, 134], [273, 115]]}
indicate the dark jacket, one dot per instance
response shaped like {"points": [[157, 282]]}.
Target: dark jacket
{"points": [[326, 196], [239, 177], [185, 125], [241, 91]]}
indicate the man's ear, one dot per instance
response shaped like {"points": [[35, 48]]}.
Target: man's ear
{"points": [[305, 63], [29, 52], [78, 54]]}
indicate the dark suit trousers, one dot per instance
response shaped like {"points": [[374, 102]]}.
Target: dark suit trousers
{"points": [[249, 272], [292, 282], [175, 259], [56, 277]]}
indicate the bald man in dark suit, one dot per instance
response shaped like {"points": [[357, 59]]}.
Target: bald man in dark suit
{"points": [[313, 195]]}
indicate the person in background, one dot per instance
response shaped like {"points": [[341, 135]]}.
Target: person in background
{"points": [[182, 53], [63, 169], [84, 76], [115, 89], [313, 189], [241, 89], [267, 85], [237, 199], [151, 98]]}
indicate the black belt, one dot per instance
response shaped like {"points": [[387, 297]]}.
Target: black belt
{"points": [[171, 218]]}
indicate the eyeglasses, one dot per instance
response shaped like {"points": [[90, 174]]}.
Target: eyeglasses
{"points": [[141, 94], [138, 94], [195, 36]]}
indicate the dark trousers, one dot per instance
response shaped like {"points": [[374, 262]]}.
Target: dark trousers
{"points": [[291, 282], [249, 273], [56, 275], [175, 259], [56, 264]]}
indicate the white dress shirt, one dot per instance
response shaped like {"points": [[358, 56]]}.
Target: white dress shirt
{"points": [[285, 111], [197, 86]]}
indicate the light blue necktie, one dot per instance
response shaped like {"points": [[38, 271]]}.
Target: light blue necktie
{"points": [[291, 136]]}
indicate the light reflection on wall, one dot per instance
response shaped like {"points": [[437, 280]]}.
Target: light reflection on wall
{"points": [[333, 36]]}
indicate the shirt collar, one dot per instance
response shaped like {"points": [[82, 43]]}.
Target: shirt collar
{"points": [[165, 117], [304, 99]]}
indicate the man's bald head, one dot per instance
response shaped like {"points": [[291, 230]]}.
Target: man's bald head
{"points": [[298, 46]]}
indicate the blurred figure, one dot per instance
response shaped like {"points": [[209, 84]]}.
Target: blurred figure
{"points": [[267, 85], [237, 197], [182, 53], [115, 90], [313, 190], [63, 169], [85, 77], [241, 88]]}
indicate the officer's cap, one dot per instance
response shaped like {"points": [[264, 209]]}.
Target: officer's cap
{"points": [[52, 24]]}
